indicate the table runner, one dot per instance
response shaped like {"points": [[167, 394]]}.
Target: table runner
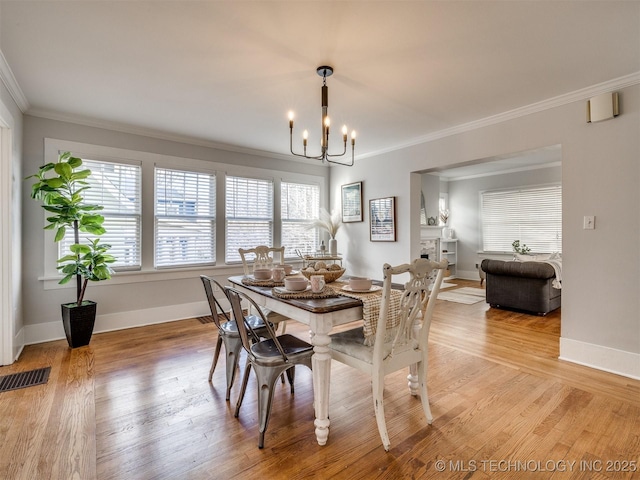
{"points": [[261, 283], [371, 310], [327, 292]]}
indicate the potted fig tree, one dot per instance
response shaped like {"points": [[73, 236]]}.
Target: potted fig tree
{"points": [[60, 186]]}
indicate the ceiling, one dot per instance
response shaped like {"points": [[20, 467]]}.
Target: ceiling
{"points": [[227, 72]]}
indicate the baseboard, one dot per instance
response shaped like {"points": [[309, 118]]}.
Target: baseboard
{"points": [[46, 332], [468, 274], [607, 359]]}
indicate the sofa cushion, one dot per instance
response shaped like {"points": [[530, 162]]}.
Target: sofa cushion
{"points": [[518, 269]]}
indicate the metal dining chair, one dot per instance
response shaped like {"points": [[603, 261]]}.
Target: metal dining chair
{"points": [[269, 358], [228, 331], [403, 345]]}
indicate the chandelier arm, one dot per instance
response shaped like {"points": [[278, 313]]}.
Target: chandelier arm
{"points": [[306, 156], [339, 154], [319, 157], [342, 163]]}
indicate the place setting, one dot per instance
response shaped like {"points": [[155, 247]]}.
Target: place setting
{"points": [[266, 277], [300, 287]]}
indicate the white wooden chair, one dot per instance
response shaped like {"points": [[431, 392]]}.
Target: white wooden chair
{"points": [[403, 346], [263, 257]]}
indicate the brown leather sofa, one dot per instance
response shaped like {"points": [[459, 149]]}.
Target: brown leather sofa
{"points": [[522, 286]]}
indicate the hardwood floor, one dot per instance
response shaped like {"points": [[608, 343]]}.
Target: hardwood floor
{"points": [[136, 404]]}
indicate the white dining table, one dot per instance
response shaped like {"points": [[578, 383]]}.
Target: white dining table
{"points": [[321, 315]]}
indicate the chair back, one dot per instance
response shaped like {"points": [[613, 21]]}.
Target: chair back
{"points": [[415, 308], [263, 257], [247, 334], [214, 304]]}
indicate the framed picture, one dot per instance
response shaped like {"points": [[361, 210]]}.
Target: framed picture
{"points": [[352, 202], [382, 219]]}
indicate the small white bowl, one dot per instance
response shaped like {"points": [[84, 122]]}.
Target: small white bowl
{"points": [[262, 273], [296, 284], [360, 283]]}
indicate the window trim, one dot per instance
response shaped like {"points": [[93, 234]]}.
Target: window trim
{"points": [[148, 161], [511, 189]]}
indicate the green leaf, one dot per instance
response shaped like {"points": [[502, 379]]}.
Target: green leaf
{"points": [[60, 234], [79, 248], [81, 174], [93, 229], [75, 162], [66, 279], [68, 258], [92, 219], [102, 273], [64, 170], [56, 182]]}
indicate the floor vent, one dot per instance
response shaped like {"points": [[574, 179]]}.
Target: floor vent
{"points": [[206, 319], [24, 379]]}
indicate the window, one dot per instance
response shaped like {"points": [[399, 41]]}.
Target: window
{"points": [[116, 187], [299, 207], [531, 215], [249, 215], [185, 208]]}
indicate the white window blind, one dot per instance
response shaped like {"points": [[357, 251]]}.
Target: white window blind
{"points": [[185, 208], [300, 204], [532, 215], [116, 187], [249, 215]]}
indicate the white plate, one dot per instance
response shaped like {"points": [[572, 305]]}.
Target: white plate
{"points": [[293, 272], [374, 288], [284, 290]]}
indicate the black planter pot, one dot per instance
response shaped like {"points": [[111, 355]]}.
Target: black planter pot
{"points": [[78, 322]]}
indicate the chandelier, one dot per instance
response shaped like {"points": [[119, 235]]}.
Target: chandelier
{"points": [[324, 156]]}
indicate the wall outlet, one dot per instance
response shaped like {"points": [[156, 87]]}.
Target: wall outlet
{"points": [[477, 265]]}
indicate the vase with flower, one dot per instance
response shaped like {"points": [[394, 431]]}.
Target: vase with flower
{"points": [[330, 222]]}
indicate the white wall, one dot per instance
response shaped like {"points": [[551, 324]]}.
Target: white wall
{"points": [[151, 298], [600, 176]]}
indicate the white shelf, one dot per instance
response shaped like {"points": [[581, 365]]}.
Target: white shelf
{"points": [[451, 253]]}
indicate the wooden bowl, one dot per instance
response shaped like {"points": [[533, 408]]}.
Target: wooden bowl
{"points": [[329, 276]]}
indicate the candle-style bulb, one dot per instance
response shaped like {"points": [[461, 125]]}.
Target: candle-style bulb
{"points": [[290, 118], [305, 134], [353, 137]]}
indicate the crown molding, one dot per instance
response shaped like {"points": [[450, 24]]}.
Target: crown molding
{"points": [[149, 132], [12, 84], [560, 100]]}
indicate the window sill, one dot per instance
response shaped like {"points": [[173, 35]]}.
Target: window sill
{"points": [[143, 276]]}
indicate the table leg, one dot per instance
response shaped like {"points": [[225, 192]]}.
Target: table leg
{"points": [[321, 362]]}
